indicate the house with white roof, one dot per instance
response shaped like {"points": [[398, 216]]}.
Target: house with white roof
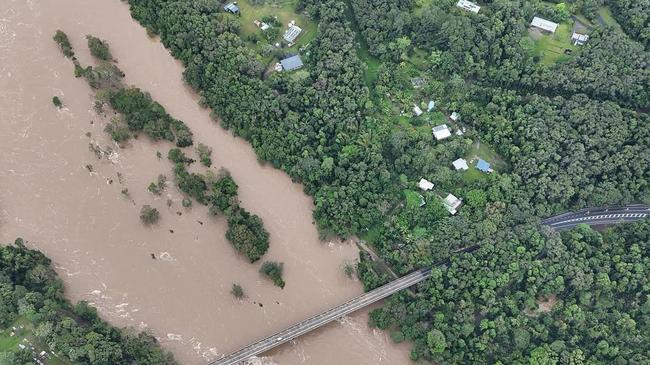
{"points": [[292, 33], [452, 203], [579, 39], [425, 184], [417, 111], [454, 116], [441, 132], [460, 164], [543, 24], [468, 5]]}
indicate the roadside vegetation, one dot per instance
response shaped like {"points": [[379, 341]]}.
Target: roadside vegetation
{"points": [[37, 322]]}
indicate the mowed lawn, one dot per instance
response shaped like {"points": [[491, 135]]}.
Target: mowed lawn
{"points": [[284, 10], [550, 47]]}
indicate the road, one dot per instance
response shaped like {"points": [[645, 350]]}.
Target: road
{"points": [[598, 216], [594, 217]]}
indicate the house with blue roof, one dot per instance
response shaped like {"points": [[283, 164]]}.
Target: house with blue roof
{"points": [[483, 165], [231, 8], [291, 63]]}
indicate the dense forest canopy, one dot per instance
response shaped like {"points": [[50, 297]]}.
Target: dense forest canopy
{"points": [[30, 289]]}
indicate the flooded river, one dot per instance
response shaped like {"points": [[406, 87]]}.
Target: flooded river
{"points": [[92, 232]]}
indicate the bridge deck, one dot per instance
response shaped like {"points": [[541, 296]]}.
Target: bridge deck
{"points": [[598, 216], [319, 320]]}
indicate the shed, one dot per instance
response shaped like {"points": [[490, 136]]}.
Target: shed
{"points": [[460, 164], [292, 33], [231, 8], [431, 106], [452, 203], [291, 63], [454, 116], [417, 111], [579, 39], [543, 24], [441, 132], [468, 5], [425, 184], [417, 82], [483, 165]]}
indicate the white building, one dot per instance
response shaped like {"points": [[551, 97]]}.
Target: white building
{"points": [[452, 203], [454, 116], [417, 111], [468, 5], [543, 24], [460, 164], [579, 39], [425, 184], [441, 132], [292, 33]]}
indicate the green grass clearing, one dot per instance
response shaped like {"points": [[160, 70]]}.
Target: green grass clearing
{"points": [[284, 10], [10, 343], [484, 151], [413, 199], [550, 47], [606, 16]]}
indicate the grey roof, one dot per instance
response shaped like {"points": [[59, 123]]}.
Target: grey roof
{"points": [[231, 7], [291, 63]]}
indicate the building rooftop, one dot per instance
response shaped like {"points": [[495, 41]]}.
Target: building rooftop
{"points": [[425, 184], [452, 203], [291, 63], [417, 111], [468, 5], [460, 164], [483, 165], [579, 39], [454, 116], [544, 24], [292, 33], [441, 132], [431, 105], [232, 8]]}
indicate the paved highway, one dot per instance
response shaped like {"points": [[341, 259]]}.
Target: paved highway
{"points": [[598, 216]]}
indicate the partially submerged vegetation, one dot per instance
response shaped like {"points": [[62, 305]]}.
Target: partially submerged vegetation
{"points": [[273, 270], [60, 333], [57, 102], [99, 48], [149, 215], [136, 111], [245, 230]]}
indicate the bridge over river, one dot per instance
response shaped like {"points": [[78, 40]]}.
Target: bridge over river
{"points": [[599, 216]]}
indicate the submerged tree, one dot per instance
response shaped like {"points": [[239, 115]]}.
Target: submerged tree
{"points": [[273, 270], [98, 48], [149, 215]]}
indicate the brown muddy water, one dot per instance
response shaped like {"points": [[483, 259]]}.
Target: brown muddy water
{"points": [[99, 247]]}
